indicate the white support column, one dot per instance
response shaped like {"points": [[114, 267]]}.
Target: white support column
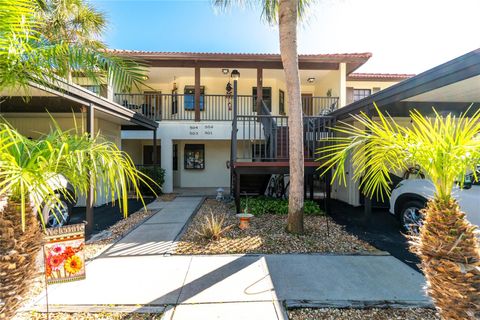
{"points": [[167, 163], [343, 85]]}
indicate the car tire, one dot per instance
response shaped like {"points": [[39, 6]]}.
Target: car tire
{"points": [[64, 213], [410, 216]]}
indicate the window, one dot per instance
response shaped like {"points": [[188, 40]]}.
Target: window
{"points": [[189, 98], [281, 102], [194, 156], [359, 94], [266, 97], [175, 157]]}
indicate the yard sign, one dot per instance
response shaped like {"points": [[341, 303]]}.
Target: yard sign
{"points": [[64, 255]]}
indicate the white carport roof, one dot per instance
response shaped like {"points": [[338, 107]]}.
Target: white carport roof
{"points": [[63, 97], [449, 87]]}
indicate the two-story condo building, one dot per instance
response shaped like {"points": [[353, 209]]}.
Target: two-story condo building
{"points": [[184, 117], [191, 95]]}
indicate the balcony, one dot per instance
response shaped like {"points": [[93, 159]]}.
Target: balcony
{"points": [[181, 107]]}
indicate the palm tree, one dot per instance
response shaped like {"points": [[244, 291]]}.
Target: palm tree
{"points": [[286, 13], [31, 48], [73, 21], [446, 149], [28, 169]]}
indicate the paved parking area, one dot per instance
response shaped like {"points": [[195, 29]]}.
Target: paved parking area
{"points": [[381, 229]]}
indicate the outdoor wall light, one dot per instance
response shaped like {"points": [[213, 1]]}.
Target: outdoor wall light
{"points": [[145, 77], [225, 71], [311, 80], [235, 74]]}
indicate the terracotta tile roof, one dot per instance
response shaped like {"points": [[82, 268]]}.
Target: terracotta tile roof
{"points": [[379, 76], [209, 55]]}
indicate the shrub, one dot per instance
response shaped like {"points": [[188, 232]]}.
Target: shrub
{"points": [[265, 205], [157, 174], [212, 228]]}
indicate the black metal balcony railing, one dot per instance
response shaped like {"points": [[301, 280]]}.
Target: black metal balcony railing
{"points": [[319, 106], [265, 137], [182, 106], [212, 107]]}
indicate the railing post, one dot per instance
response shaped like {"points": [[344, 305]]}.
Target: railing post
{"points": [[154, 158], [197, 94], [233, 152]]}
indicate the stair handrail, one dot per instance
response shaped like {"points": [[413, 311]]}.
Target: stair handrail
{"points": [[269, 129]]}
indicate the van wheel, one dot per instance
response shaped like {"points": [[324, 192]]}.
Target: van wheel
{"points": [[411, 218]]}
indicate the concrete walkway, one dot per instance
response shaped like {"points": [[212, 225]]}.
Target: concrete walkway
{"points": [[158, 234], [136, 272]]}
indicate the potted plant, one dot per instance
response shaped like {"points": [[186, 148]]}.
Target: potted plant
{"points": [[244, 216]]}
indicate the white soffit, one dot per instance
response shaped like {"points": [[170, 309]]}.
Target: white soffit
{"points": [[467, 90]]}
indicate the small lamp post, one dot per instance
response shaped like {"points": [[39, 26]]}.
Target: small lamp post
{"points": [[235, 75]]}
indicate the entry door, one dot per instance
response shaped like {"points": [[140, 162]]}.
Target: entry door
{"points": [[148, 155], [307, 104]]}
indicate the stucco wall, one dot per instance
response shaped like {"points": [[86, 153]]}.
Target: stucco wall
{"points": [[370, 84], [215, 174]]}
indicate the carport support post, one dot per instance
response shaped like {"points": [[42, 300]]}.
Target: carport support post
{"points": [[368, 201], [90, 193], [154, 157]]}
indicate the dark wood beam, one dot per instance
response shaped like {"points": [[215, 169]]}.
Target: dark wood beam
{"points": [[155, 160], [197, 93], [259, 90]]}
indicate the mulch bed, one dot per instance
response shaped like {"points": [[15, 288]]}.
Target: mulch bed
{"points": [[267, 235], [360, 314]]}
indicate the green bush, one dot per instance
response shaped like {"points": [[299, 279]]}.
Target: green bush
{"points": [[157, 174], [262, 205]]}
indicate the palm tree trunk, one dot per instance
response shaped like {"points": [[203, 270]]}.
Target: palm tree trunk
{"points": [[450, 255], [18, 251], [288, 15]]}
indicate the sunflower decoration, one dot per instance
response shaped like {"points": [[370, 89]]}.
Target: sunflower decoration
{"points": [[73, 264]]}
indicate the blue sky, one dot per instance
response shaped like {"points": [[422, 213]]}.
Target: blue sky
{"points": [[404, 35]]}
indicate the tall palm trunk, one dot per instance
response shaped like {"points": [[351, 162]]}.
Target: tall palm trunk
{"points": [[288, 15], [450, 256], [18, 250]]}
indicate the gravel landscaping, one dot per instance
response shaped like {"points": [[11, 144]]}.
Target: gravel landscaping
{"points": [[360, 314], [267, 235]]}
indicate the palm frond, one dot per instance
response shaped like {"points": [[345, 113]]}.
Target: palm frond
{"points": [[269, 8], [445, 148]]}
